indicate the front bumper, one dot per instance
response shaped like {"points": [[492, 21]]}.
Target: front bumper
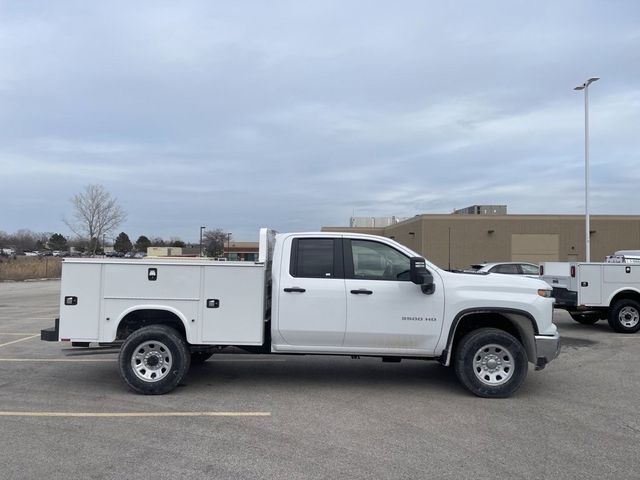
{"points": [[547, 348]]}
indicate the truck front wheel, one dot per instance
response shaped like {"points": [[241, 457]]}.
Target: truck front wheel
{"points": [[154, 359], [624, 317], [490, 363]]}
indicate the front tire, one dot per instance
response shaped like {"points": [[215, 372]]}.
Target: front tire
{"points": [[490, 363], [154, 360], [624, 317]]}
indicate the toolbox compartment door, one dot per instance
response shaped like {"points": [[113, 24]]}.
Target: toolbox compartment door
{"points": [[589, 284], [79, 321]]}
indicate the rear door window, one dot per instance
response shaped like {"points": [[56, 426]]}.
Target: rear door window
{"points": [[508, 268], [530, 269], [315, 258]]}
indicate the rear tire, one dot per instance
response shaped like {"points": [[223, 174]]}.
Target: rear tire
{"points": [[490, 363], [154, 360], [585, 318], [624, 317]]}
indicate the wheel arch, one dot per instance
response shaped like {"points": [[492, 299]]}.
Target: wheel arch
{"points": [[518, 323], [140, 316], [624, 293]]}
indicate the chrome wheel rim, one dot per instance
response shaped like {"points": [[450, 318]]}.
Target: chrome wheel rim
{"points": [[493, 364], [151, 361], [629, 317]]}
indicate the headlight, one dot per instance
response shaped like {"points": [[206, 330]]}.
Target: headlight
{"points": [[543, 292]]}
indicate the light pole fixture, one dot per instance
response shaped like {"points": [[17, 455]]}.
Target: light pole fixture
{"points": [[585, 87], [228, 245], [201, 229]]}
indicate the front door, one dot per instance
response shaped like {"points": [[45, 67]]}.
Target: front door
{"points": [[385, 310], [311, 296]]}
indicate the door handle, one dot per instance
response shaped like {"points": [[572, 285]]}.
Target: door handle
{"points": [[295, 289], [362, 291]]}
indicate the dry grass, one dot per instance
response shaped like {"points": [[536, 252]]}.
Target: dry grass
{"points": [[26, 268]]}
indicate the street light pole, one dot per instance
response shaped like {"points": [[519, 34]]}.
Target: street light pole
{"points": [[201, 229], [228, 245], [587, 228]]}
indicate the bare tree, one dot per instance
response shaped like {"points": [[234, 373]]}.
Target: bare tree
{"points": [[95, 213], [214, 242]]}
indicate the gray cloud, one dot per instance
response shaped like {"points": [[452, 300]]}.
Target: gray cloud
{"points": [[294, 115]]}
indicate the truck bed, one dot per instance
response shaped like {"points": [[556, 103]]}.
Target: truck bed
{"points": [[219, 303]]}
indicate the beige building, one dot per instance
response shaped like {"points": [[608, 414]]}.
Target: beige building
{"points": [[458, 240], [164, 251]]}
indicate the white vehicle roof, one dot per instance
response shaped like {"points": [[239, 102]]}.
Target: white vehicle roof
{"points": [[493, 264]]}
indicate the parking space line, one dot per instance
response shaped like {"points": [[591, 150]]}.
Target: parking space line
{"points": [[88, 360], [23, 334], [57, 359], [19, 340], [135, 414], [247, 360], [26, 317]]}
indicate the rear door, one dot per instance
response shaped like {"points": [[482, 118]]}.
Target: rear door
{"points": [[311, 296]]}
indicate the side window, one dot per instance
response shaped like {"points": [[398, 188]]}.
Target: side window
{"points": [[530, 269], [508, 268], [376, 261], [313, 258]]}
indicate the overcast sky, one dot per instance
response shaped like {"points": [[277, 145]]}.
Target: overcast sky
{"points": [[295, 115]]}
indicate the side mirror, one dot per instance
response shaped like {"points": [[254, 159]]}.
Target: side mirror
{"points": [[419, 275]]}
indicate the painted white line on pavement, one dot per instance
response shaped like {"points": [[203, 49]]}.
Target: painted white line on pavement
{"points": [[88, 360], [135, 414], [20, 340], [20, 334]]}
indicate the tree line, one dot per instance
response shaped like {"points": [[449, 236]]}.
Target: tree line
{"points": [[95, 216], [28, 241]]}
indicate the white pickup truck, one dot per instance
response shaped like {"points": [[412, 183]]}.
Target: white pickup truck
{"points": [[596, 291], [309, 293]]}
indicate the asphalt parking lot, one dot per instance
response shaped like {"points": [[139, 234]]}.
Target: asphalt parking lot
{"points": [[244, 416]]}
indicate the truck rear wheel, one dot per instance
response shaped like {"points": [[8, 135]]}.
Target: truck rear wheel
{"points": [[624, 317], [154, 360], [490, 363]]}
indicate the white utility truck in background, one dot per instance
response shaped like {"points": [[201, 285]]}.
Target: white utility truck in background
{"points": [[309, 293], [596, 291], [624, 256]]}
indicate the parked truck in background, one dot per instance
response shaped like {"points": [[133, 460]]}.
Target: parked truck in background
{"points": [[596, 291], [309, 293]]}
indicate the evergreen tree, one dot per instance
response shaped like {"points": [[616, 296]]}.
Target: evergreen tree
{"points": [[122, 243], [142, 244], [58, 242]]}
